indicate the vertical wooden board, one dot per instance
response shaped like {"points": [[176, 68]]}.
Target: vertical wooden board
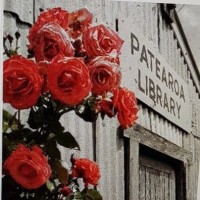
{"points": [[158, 124], [160, 28], [184, 69], [131, 9], [178, 136], [175, 135], [134, 170], [175, 56], [140, 119], [152, 185], [115, 7], [110, 156], [162, 188], [194, 119], [157, 188], [197, 112], [103, 158], [162, 133], [139, 16], [148, 14], [147, 186], [171, 135], [119, 180], [170, 47], [166, 182], [167, 130], [142, 183], [180, 65], [148, 118], [173, 186], [167, 42], [146, 26], [153, 121], [154, 23], [172, 60]]}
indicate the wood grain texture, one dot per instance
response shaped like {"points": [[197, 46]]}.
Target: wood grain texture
{"points": [[158, 143], [155, 132], [22, 8]]}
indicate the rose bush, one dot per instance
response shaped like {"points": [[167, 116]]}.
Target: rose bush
{"points": [[29, 168], [21, 82], [50, 40], [86, 169], [126, 104], [68, 80], [78, 69], [101, 41], [105, 75]]}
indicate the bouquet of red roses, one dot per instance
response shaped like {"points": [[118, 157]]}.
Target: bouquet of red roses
{"points": [[76, 68]]}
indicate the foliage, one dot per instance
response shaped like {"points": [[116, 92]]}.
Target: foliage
{"points": [[76, 68]]}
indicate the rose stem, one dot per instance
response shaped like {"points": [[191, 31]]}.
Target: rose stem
{"points": [[18, 117], [94, 126]]}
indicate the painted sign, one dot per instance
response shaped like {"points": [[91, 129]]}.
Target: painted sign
{"points": [[152, 79]]}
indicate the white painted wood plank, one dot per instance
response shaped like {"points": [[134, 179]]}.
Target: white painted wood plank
{"points": [[23, 8], [10, 27], [110, 156]]}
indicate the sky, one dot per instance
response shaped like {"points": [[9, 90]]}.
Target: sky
{"points": [[190, 19]]}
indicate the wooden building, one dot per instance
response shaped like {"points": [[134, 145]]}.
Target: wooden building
{"points": [[159, 158]]}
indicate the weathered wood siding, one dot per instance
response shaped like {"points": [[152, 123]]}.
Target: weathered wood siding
{"points": [[157, 180], [20, 14]]}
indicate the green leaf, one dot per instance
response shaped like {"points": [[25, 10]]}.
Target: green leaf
{"points": [[36, 118], [5, 126], [61, 172], [91, 194], [53, 151], [70, 197], [66, 139], [55, 127], [50, 185], [86, 113], [10, 121], [6, 116], [78, 196]]}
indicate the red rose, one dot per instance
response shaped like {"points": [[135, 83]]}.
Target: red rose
{"points": [[86, 169], [68, 80], [66, 190], [107, 107], [78, 21], [50, 40], [29, 168], [101, 41], [104, 75], [42, 67], [56, 15], [126, 104], [21, 82]]}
